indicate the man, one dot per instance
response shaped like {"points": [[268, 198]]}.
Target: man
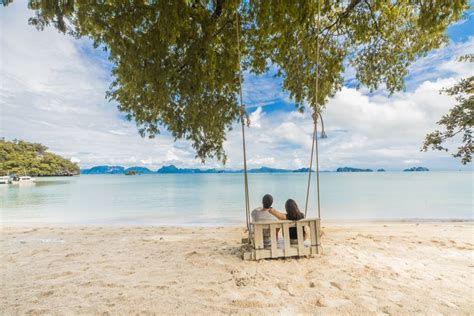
{"points": [[262, 214]]}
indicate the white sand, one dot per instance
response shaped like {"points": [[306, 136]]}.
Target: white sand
{"points": [[366, 268]]}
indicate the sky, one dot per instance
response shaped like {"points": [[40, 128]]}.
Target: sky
{"points": [[52, 91]]}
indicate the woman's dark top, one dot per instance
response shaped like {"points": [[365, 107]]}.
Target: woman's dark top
{"points": [[293, 233], [293, 230]]}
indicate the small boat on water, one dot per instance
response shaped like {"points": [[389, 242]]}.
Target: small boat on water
{"points": [[5, 180], [23, 180]]}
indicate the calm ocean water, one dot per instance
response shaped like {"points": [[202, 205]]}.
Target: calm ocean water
{"points": [[217, 199]]}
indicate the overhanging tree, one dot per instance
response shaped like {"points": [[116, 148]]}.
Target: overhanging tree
{"points": [[175, 63], [458, 121]]}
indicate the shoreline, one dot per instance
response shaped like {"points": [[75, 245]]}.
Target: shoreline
{"points": [[365, 268], [107, 223]]}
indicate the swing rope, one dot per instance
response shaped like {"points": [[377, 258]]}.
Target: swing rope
{"points": [[315, 136], [314, 145], [317, 174], [316, 113], [242, 120]]}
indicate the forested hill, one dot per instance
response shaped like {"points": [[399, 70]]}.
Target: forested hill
{"points": [[20, 158]]}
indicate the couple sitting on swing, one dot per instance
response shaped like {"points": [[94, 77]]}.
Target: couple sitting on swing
{"points": [[268, 213]]}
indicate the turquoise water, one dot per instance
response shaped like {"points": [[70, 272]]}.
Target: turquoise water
{"points": [[217, 199]]}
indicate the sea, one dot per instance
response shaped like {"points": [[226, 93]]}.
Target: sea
{"points": [[218, 199]]}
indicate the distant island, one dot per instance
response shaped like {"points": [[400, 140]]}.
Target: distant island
{"points": [[350, 169], [415, 169], [106, 170], [18, 157], [172, 169]]}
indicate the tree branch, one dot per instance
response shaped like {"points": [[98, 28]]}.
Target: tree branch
{"points": [[218, 9], [343, 15]]}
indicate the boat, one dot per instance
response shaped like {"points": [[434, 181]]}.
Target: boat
{"points": [[5, 180], [23, 180]]}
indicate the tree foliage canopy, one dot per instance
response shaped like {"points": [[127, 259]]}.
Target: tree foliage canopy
{"points": [[23, 158], [459, 120], [175, 62]]}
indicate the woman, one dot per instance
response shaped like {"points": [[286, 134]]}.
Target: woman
{"points": [[293, 213]]}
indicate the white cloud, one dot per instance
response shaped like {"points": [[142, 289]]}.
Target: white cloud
{"points": [[411, 161], [441, 63], [53, 93], [364, 131], [255, 118]]}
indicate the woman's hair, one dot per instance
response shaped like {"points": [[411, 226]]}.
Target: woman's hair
{"points": [[293, 213]]}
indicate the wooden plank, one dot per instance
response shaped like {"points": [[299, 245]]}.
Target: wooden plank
{"points": [[262, 254], [313, 232], [300, 252], [273, 240], [267, 253], [306, 220], [292, 252], [306, 251], [318, 232], [299, 232], [248, 256], [258, 236], [252, 235], [286, 239], [318, 236]]}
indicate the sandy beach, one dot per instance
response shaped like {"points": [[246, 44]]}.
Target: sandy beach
{"points": [[393, 268]]}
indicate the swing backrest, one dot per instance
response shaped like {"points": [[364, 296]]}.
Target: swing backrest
{"points": [[304, 227]]}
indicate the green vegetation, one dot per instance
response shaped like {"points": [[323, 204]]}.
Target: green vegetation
{"points": [[176, 65], [23, 158], [459, 120]]}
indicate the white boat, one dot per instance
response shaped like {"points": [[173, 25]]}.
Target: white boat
{"points": [[23, 180], [5, 180]]}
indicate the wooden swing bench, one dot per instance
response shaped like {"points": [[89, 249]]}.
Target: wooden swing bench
{"points": [[257, 250]]}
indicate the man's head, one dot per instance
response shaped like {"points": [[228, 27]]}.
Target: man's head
{"points": [[267, 201]]}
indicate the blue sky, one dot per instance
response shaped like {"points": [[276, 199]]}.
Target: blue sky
{"points": [[52, 91]]}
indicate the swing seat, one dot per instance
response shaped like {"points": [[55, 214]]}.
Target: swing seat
{"points": [[287, 248]]}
